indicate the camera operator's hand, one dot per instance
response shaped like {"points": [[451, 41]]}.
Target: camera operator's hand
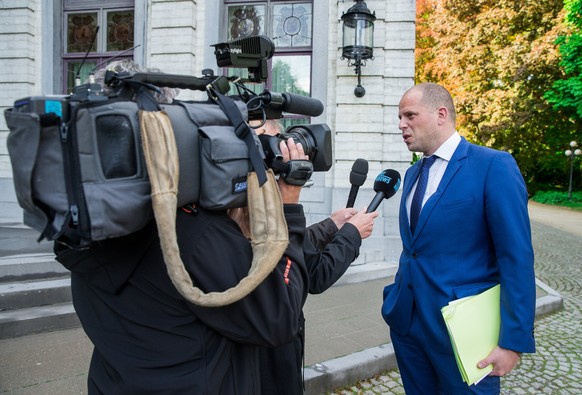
{"points": [[290, 151], [271, 127], [364, 222]]}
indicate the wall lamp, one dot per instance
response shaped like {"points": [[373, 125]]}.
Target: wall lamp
{"points": [[358, 39]]}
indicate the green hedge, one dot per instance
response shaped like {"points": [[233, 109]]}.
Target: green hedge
{"points": [[559, 198]]}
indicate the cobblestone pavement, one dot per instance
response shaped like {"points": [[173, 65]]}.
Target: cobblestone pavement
{"points": [[556, 367]]}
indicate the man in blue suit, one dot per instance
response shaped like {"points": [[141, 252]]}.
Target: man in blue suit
{"points": [[467, 231]]}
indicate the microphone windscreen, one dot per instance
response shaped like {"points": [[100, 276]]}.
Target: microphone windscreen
{"points": [[359, 172], [387, 182], [299, 104]]}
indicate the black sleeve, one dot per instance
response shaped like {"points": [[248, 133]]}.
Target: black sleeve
{"points": [[326, 266], [321, 233], [108, 264], [218, 256]]}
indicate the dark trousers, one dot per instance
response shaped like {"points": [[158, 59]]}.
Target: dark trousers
{"points": [[424, 371]]}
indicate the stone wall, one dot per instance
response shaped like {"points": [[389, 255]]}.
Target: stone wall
{"points": [[20, 40], [177, 39]]}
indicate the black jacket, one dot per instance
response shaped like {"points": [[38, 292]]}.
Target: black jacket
{"points": [[328, 254], [149, 340]]}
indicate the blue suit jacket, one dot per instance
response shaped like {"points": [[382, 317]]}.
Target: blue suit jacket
{"points": [[473, 232]]}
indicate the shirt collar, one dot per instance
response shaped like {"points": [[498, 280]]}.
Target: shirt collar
{"points": [[447, 149]]}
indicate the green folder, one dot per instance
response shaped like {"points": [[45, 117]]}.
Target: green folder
{"points": [[473, 326]]}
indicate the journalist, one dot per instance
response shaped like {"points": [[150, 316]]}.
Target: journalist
{"points": [[330, 247]]}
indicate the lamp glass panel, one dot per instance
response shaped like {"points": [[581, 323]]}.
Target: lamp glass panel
{"points": [[358, 39], [349, 35], [364, 33]]}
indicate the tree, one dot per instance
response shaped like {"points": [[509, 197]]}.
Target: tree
{"points": [[498, 58], [566, 93]]}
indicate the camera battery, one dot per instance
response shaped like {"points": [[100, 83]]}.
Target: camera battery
{"points": [[56, 104]]}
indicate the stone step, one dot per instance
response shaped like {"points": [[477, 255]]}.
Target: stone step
{"points": [[369, 271], [24, 294], [35, 295], [22, 322], [17, 238], [29, 267]]}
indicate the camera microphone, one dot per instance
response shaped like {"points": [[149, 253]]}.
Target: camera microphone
{"points": [[385, 185], [293, 103], [357, 178]]}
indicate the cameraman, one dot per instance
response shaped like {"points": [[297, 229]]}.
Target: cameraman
{"points": [[148, 339]]}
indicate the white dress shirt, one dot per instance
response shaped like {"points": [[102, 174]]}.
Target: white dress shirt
{"points": [[437, 170]]}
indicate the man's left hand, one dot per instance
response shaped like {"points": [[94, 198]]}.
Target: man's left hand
{"points": [[503, 361]]}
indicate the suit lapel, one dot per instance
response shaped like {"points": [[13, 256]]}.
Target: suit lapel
{"points": [[453, 167]]}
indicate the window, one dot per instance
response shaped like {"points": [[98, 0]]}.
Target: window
{"points": [[290, 26], [94, 35]]}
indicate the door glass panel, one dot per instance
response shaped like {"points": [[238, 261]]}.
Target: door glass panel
{"points": [[74, 67], [119, 30], [292, 74], [292, 25], [81, 29], [243, 74], [287, 122], [245, 21]]}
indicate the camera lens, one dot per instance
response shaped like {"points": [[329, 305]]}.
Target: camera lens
{"points": [[302, 136]]}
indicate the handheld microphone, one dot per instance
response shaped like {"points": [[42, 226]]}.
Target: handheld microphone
{"points": [[385, 186], [357, 178]]}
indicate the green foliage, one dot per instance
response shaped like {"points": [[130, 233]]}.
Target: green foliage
{"points": [[415, 158], [566, 93], [559, 198], [574, 15]]}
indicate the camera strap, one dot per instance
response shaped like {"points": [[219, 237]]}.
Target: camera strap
{"points": [[269, 233], [243, 131]]}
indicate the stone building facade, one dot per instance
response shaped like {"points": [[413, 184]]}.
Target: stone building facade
{"points": [[176, 37]]}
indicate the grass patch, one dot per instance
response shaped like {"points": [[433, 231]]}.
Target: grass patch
{"points": [[559, 198]]}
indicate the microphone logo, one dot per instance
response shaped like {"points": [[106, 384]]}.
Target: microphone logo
{"points": [[385, 185], [387, 179]]}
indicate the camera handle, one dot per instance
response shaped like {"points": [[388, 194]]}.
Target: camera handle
{"points": [[295, 172]]}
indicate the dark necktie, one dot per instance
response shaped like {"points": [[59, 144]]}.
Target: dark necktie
{"points": [[416, 205]]}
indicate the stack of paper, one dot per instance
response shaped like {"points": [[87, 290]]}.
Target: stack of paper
{"points": [[473, 325]]}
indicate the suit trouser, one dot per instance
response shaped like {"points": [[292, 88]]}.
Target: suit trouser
{"points": [[426, 371]]}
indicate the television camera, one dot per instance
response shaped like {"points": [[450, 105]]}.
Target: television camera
{"points": [[251, 53], [77, 159]]}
